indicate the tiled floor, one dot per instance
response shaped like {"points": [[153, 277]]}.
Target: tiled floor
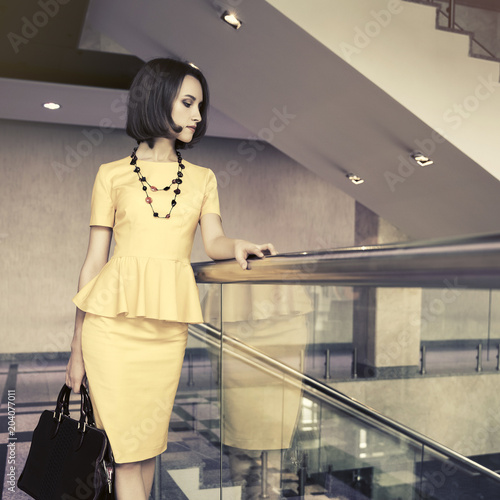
{"points": [[194, 437], [193, 458]]}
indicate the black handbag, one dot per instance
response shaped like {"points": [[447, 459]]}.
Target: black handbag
{"points": [[68, 459]]}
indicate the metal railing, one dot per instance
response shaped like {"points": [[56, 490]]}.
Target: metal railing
{"points": [[331, 396], [450, 16], [472, 262]]}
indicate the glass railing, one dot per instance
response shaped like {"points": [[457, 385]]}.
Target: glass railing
{"points": [[324, 374]]}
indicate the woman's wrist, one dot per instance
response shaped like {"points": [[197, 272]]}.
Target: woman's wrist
{"points": [[76, 343]]}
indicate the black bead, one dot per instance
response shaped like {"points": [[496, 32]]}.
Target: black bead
{"points": [[166, 188], [177, 191], [174, 203], [180, 174], [155, 214], [134, 161], [182, 166], [179, 181], [137, 169], [144, 188], [143, 179]]}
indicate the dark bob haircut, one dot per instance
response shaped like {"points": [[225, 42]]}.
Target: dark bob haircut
{"points": [[151, 98]]}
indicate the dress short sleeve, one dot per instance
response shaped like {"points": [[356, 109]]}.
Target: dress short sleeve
{"points": [[210, 203], [102, 210]]}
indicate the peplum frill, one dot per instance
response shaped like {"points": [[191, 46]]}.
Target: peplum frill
{"points": [[150, 287]]}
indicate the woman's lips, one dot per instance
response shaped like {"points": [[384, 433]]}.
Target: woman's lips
{"points": [[191, 128]]}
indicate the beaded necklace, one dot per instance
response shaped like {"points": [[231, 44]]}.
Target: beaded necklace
{"points": [[145, 183]]}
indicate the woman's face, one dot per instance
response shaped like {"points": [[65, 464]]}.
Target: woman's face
{"points": [[186, 108]]}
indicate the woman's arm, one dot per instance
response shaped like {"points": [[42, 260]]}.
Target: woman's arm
{"points": [[218, 246], [97, 256]]}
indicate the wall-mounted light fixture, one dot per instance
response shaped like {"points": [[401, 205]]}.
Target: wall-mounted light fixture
{"points": [[51, 105], [421, 159], [355, 179], [231, 19]]}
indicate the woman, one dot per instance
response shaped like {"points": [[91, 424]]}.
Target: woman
{"points": [[133, 310]]}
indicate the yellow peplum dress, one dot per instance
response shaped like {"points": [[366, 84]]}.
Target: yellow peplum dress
{"points": [[137, 308]]}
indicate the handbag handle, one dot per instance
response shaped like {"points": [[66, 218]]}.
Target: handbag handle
{"points": [[86, 410], [62, 405]]}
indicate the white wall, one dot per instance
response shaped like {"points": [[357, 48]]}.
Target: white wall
{"points": [[396, 46]]}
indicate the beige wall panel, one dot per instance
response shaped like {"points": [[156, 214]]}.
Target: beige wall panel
{"points": [[458, 314], [460, 412], [47, 177]]}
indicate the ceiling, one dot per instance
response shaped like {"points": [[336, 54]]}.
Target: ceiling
{"points": [[54, 55], [269, 79]]}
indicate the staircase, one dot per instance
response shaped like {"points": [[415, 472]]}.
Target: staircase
{"points": [[396, 46], [480, 24]]}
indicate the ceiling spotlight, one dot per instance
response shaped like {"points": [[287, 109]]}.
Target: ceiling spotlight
{"points": [[421, 159], [51, 105], [355, 179], [231, 19]]}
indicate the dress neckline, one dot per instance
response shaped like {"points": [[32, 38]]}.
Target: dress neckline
{"points": [[157, 162]]}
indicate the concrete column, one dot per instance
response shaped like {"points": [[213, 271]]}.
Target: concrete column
{"points": [[386, 321]]}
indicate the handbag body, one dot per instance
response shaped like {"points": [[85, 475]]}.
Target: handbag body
{"points": [[68, 459]]}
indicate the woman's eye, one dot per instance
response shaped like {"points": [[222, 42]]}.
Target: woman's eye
{"points": [[187, 104]]}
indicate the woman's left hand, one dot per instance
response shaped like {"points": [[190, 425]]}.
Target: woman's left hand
{"points": [[242, 249]]}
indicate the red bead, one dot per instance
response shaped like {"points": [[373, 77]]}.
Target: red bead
{"points": [[149, 200], [174, 181], [153, 188], [167, 216]]}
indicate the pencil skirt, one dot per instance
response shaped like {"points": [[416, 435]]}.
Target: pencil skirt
{"points": [[133, 367]]}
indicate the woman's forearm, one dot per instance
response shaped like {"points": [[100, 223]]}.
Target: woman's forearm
{"points": [[222, 248], [86, 274]]}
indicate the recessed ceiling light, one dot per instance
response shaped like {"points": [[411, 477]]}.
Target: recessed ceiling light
{"points": [[51, 105], [421, 159], [231, 19], [355, 179]]}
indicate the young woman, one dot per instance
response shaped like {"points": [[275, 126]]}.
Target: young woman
{"points": [[133, 310]]}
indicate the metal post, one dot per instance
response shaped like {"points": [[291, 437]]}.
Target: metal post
{"points": [[190, 370], [302, 360], [451, 15], [354, 367], [498, 357], [263, 484], [327, 365], [423, 369], [302, 476], [157, 479], [479, 357]]}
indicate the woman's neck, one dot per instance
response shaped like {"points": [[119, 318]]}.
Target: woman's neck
{"points": [[163, 150]]}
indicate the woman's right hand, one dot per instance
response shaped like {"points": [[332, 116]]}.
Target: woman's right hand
{"points": [[75, 371]]}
